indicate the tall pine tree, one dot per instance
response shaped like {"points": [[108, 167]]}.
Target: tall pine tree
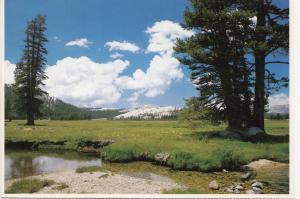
{"points": [[216, 57], [29, 73]]}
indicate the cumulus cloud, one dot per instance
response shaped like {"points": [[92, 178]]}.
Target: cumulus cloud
{"points": [[83, 42], [162, 71], [163, 68], [9, 68], [279, 103], [83, 82], [116, 55], [124, 45], [163, 35]]}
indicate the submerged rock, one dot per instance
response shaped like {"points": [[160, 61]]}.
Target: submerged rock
{"points": [[213, 185]]}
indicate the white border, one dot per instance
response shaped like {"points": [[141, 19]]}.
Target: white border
{"points": [[294, 117]]}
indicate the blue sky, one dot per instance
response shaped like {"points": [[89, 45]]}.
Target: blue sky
{"points": [[102, 21]]}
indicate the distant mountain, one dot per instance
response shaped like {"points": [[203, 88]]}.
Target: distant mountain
{"points": [[150, 112]]}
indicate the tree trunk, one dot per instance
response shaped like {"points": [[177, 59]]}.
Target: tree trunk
{"points": [[259, 54], [30, 118]]}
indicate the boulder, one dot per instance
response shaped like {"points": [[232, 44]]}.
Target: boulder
{"points": [[162, 158], [213, 185], [252, 131], [258, 184], [229, 134]]}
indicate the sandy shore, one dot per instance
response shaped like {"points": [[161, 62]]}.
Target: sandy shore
{"points": [[102, 183]]}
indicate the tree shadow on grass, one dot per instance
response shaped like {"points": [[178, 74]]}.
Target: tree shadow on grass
{"points": [[235, 135]]}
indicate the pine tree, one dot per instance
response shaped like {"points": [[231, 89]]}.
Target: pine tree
{"points": [[29, 73], [270, 38], [216, 57]]}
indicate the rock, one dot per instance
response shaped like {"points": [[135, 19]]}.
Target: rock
{"points": [[87, 149], [257, 190], [247, 176], [250, 192], [213, 185], [230, 134], [161, 158], [229, 190], [239, 187], [252, 131], [237, 191], [224, 171], [258, 184]]}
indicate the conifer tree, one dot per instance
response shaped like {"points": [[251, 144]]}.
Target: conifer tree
{"points": [[29, 73]]}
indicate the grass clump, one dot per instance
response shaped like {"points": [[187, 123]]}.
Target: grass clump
{"points": [[182, 191], [61, 186], [89, 169], [28, 185]]}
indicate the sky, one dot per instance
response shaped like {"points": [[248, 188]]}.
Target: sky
{"points": [[110, 53]]}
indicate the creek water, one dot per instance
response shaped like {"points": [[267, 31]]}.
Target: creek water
{"points": [[22, 163]]}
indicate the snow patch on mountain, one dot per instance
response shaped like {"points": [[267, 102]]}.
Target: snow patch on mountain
{"points": [[149, 112]]}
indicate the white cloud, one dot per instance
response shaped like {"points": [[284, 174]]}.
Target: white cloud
{"points": [[83, 42], [56, 38], [9, 68], [163, 68], [162, 71], [116, 55], [279, 103], [83, 82], [124, 45], [163, 35]]}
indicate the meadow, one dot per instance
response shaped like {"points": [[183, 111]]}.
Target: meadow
{"points": [[141, 140]]}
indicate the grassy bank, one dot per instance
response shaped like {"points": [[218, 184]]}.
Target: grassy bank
{"points": [[141, 140]]}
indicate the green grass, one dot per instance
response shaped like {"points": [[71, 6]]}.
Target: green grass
{"points": [[90, 169], [141, 140], [28, 185]]}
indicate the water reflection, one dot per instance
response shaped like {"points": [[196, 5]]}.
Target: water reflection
{"points": [[20, 163]]}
